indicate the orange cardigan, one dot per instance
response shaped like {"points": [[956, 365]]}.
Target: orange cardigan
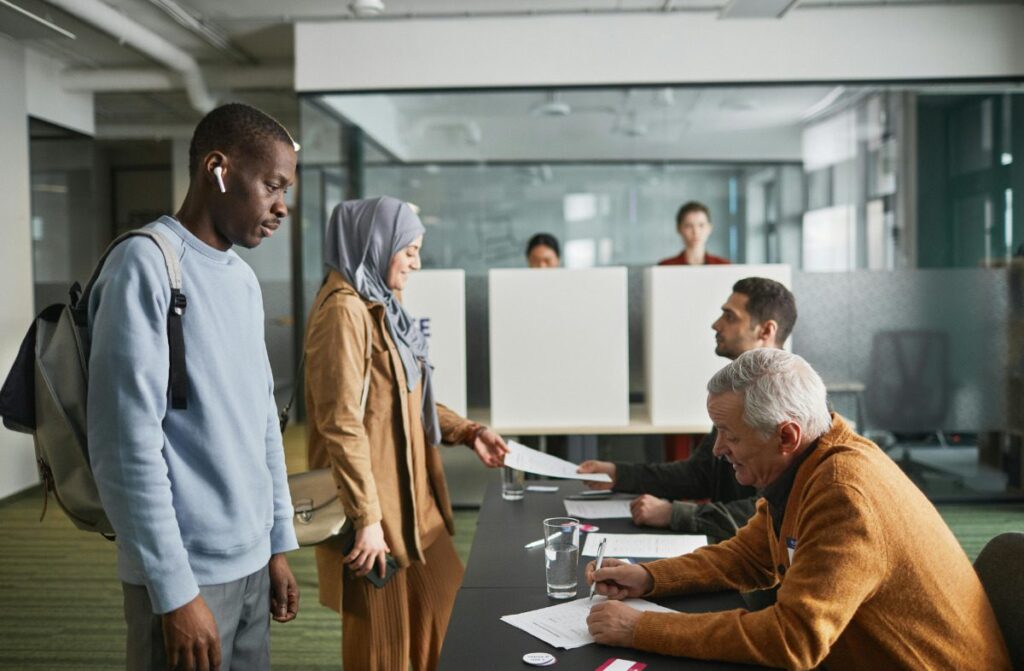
{"points": [[876, 579]]}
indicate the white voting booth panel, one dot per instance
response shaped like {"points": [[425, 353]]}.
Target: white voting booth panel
{"points": [[680, 304], [559, 347], [436, 299]]}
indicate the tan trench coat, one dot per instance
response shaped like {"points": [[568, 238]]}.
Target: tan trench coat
{"points": [[371, 457]]}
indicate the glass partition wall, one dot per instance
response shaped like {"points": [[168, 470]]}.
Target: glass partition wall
{"points": [[893, 205]]}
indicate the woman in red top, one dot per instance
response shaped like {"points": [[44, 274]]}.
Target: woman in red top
{"points": [[693, 221], [694, 225]]}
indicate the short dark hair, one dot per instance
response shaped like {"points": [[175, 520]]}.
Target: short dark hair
{"points": [[767, 299], [234, 128], [690, 208], [545, 239]]}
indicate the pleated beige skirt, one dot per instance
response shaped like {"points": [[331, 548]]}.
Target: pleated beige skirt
{"points": [[404, 622]]}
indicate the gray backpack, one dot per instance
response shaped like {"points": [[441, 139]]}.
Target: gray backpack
{"points": [[46, 391]]}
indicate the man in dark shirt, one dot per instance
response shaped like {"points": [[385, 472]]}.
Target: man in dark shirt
{"points": [[759, 313]]}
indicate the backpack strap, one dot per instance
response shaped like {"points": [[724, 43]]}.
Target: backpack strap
{"points": [[178, 380]]}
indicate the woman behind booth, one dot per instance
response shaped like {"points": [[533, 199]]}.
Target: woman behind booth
{"points": [[693, 223], [542, 251], [374, 421]]}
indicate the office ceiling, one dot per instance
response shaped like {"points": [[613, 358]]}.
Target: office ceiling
{"points": [[644, 124], [260, 31], [225, 35]]}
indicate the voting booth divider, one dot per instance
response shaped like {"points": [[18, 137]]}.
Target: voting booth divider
{"points": [[559, 347], [559, 351], [680, 304], [436, 299]]}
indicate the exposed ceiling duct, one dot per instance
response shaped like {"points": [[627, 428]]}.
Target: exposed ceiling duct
{"points": [[22, 24], [147, 79], [756, 9], [110, 21], [205, 31], [143, 132]]}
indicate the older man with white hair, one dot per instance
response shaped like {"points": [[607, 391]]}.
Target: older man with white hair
{"points": [[869, 575]]}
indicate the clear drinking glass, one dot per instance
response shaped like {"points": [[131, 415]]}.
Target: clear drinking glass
{"points": [[561, 556], [513, 484]]}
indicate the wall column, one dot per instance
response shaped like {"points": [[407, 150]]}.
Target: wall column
{"points": [[17, 459], [179, 171]]}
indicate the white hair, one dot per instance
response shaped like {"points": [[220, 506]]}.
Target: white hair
{"points": [[776, 387]]}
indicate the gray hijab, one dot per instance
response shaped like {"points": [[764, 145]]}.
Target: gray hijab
{"points": [[362, 237]]}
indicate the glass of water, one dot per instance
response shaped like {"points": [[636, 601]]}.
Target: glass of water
{"points": [[561, 555], [513, 484]]}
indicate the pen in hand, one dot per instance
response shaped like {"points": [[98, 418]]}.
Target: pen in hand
{"points": [[597, 567]]}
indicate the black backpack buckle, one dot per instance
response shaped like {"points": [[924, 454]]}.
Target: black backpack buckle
{"points": [[178, 302]]}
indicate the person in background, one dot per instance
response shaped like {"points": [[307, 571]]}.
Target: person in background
{"points": [[198, 496], [693, 223], [759, 313], [869, 576], [373, 420], [542, 251]]}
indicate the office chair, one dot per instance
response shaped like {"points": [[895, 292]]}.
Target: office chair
{"points": [[999, 567], [908, 382], [908, 391]]}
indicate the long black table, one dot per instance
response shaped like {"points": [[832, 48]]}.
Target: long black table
{"points": [[502, 578]]}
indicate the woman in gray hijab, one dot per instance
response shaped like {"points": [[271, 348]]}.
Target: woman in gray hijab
{"points": [[373, 420]]}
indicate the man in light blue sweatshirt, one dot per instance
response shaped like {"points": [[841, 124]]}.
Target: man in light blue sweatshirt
{"points": [[199, 496]]}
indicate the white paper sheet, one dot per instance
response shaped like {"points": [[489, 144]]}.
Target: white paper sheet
{"points": [[565, 625], [527, 459], [643, 545], [598, 510]]}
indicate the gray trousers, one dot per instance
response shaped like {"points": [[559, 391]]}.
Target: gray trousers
{"points": [[241, 609]]}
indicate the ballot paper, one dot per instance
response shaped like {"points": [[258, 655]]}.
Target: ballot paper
{"points": [[643, 545], [523, 458], [597, 510], [565, 625]]}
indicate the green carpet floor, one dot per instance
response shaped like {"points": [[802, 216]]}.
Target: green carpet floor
{"points": [[64, 602], [64, 607]]}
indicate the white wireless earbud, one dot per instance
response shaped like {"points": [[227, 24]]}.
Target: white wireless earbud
{"points": [[218, 172]]}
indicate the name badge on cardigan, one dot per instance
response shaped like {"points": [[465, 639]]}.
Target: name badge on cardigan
{"points": [[790, 547]]}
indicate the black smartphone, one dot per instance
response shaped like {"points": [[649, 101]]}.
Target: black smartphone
{"points": [[390, 568], [390, 564]]}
